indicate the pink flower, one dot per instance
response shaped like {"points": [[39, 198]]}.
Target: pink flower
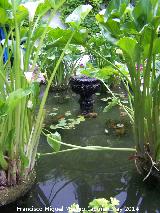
{"points": [[141, 67], [81, 65]]}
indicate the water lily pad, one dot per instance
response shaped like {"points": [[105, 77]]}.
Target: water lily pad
{"points": [[53, 114], [105, 99], [69, 123], [68, 113], [124, 102], [54, 109]]}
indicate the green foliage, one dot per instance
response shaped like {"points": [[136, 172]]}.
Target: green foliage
{"points": [[21, 112], [97, 205], [135, 31], [100, 49], [68, 123], [78, 15], [89, 22], [53, 140], [111, 104], [107, 73], [52, 49], [129, 47]]}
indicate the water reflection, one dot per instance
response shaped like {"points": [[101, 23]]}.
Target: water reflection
{"points": [[79, 177], [127, 188]]}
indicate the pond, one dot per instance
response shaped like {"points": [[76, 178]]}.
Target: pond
{"points": [[81, 176]]}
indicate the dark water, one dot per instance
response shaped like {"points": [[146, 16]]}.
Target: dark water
{"points": [[81, 176]]}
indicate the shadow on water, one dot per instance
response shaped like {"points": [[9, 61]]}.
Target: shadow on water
{"points": [[81, 176]]}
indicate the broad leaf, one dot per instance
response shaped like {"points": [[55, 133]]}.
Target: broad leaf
{"points": [[118, 5], [15, 97], [4, 16], [146, 11], [78, 15], [128, 45], [53, 140], [55, 4], [5, 4], [43, 8], [21, 13], [32, 7], [61, 37]]}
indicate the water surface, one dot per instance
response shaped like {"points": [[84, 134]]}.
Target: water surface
{"points": [[81, 176]]}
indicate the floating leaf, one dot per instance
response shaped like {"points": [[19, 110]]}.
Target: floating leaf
{"points": [[106, 99], [62, 122], [68, 123], [53, 114], [68, 113], [98, 94], [124, 102], [81, 118], [54, 109]]}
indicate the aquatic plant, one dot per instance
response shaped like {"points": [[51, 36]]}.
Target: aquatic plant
{"points": [[135, 30], [52, 50], [20, 122], [20, 128], [97, 205]]}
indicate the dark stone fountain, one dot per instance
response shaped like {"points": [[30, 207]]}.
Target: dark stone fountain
{"points": [[85, 87]]}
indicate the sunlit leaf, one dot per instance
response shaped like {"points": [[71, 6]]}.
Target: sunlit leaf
{"points": [[32, 7], [4, 17], [128, 45], [78, 15], [53, 139], [5, 4], [68, 113], [15, 97], [21, 13]]}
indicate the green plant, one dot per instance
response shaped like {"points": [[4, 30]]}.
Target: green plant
{"points": [[135, 31], [90, 20], [20, 124], [97, 205], [20, 128], [51, 51], [98, 44]]}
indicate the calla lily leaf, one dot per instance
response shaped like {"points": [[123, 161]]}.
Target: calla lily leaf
{"points": [[32, 7], [78, 15], [128, 45]]}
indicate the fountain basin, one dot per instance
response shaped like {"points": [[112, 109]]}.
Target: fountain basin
{"points": [[85, 87]]}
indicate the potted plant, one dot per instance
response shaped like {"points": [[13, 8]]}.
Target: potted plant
{"points": [[20, 123]]}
